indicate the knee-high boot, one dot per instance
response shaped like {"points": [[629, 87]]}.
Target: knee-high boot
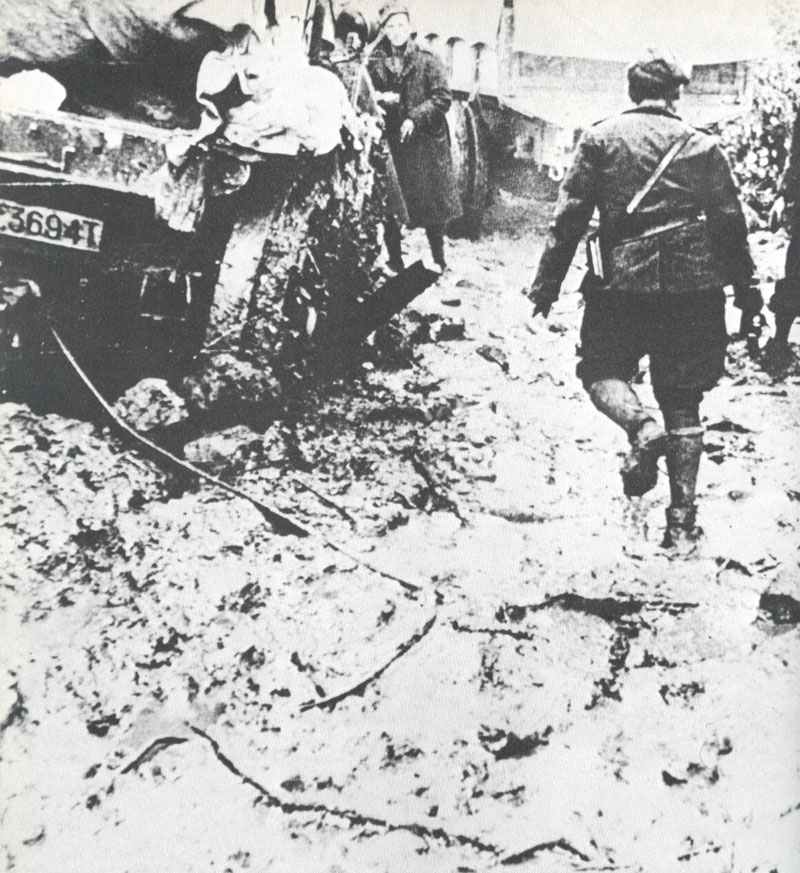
{"points": [[785, 304], [393, 238], [783, 324], [684, 450], [435, 234], [618, 401]]}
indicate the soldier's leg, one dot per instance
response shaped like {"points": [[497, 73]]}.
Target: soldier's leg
{"points": [[435, 234], [688, 360], [681, 410], [783, 324], [610, 352], [618, 401], [785, 302], [393, 237]]}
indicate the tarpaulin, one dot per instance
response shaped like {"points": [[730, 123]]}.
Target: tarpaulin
{"points": [[36, 33], [283, 102]]}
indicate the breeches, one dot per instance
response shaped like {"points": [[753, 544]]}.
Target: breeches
{"points": [[684, 335]]}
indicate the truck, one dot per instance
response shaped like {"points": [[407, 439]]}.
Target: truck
{"points": [[536, 72], [165, 224], [259, 251]]}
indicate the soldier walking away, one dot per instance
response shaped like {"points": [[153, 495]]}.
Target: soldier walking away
{"points": [[785, 302], [412, 89], [671, 235]]}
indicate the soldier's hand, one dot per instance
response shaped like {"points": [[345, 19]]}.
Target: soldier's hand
{"points": [[777, 213], [542, 307], [406, 130], [387, 98]]}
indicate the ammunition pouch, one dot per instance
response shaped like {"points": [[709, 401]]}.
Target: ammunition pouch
{"points": [[670, 259]]}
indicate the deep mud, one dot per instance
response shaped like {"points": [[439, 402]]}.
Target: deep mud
{"points": [[184, 691]]}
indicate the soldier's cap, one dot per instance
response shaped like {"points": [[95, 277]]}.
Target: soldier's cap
{"points": [[388, 10], [658, 67]]}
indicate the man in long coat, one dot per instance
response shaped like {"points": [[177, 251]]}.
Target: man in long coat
{"points": [[785, 302], [666, 263], [413, 91]]}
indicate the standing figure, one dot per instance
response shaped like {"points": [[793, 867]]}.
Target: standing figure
{"points": [[666, 260], [412, 90], [785, 302]]}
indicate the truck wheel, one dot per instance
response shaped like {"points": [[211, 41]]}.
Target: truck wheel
{"points": [[470, 151]]}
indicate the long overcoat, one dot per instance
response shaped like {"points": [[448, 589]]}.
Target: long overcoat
{"points": [[790, 188], [424, 162]]}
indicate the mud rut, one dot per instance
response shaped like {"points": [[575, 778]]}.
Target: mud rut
{"points": [[188, 691]]}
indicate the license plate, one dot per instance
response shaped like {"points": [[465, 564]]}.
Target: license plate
{"points": [[54, 227]]}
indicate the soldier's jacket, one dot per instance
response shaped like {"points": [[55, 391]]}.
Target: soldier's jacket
{"points": [[790, 189], [789, 185], [613, 161]]}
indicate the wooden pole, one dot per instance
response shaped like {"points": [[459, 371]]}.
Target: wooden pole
{"points": [[505, 50]]}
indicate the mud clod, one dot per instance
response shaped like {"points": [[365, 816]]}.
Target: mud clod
{"points": [[504, 745]]}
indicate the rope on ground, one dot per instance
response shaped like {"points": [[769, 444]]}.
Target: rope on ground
{"points": [[281, 523], [350, 816], [151, 751], [324, 499], [358, 690]]}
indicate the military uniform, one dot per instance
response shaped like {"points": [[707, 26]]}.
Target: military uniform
{"points": [[785, 302], [668, 262], [665, 267]]}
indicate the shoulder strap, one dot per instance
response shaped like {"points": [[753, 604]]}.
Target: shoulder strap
{"points": [[659, 171]]}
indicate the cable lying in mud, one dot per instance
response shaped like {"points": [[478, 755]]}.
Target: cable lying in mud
{"points": [[519, 636], [281, 523], [151, 751], [324, 499], [352, 817], [358, 690], [530, 854]]}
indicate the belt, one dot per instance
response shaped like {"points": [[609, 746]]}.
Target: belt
{"points": [[660, 228]]}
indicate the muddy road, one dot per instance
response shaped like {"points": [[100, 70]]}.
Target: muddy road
{"points": [[183, 690]]}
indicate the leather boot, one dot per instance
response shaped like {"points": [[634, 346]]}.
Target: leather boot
{"points": [[684, 449], [618, 401], [435, 236], [783, 324], [778, 353], [393, 238], [785, 304]]}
